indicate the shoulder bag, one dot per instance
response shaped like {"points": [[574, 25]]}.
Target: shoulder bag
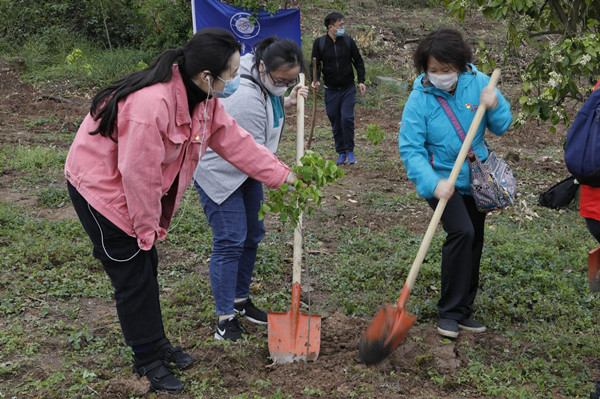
{"points": [[493, 184]]}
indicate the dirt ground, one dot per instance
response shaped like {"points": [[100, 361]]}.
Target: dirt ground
{"points": [[21, 103]]}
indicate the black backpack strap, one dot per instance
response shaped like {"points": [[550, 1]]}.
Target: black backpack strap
{"points": [[251, 78], [321, 45], [323, 38], [265, 94]]}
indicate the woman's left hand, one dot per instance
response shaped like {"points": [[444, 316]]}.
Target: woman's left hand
{"points": [[298, 89], [489, 98]]}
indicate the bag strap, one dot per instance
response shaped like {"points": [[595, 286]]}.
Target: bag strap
{"points": [[453, 119], [251, 78], [265, 94]]}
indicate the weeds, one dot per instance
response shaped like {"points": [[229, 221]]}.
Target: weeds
{"points": [[61, 336]]}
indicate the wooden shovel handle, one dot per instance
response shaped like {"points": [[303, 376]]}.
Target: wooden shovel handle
{"points": [[297, 258], [314, 110], [437, 215]]}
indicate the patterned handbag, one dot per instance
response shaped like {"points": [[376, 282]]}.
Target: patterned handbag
{"points": [[493, 184]]}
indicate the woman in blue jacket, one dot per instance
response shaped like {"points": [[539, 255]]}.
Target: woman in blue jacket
{"points": [[429, 146]]}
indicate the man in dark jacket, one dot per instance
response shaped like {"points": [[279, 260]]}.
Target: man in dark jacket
{"points": [[336, 54]]}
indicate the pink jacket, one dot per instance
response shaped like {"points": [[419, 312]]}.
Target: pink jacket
{"points": [[138, 182]]}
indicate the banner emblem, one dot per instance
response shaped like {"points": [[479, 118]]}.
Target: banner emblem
{"points": [[242, 27]]}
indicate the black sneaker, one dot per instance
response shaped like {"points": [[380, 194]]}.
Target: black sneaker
{"points": [[174, 357], [250, 312], [230, 329], [448, 328], [472, 325], [161, 377]]}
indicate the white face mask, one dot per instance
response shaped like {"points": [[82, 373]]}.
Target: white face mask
{"points": [[276, 90], [443, 82]]}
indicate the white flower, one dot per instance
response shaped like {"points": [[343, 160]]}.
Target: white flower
{"points": [[555, 79], [585, 59]]}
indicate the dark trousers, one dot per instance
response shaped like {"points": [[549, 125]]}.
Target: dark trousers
{"points": [[339, 105], [593, 226], [461, 255], [133, 274]]}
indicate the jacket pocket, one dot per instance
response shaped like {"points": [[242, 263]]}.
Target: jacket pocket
{"points": [[174, 145]]}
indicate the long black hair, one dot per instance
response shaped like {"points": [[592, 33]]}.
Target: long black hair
{"points": [[276, 52], [445, 45], [209, 49]]}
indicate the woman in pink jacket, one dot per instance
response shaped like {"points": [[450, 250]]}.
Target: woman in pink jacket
{"points": [[130, 163]]}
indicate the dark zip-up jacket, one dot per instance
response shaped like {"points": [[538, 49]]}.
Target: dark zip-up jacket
{"points": [[336, 61]]}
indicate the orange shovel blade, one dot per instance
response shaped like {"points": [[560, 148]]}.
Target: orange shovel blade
{"points": [[387, 330], [594, 269], [294, 336]]}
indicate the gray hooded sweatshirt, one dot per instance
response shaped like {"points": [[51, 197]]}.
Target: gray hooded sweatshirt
{"points": [[253, 111]]}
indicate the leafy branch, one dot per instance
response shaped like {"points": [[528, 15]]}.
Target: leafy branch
{"points": [[561, 37], [290, 201]]}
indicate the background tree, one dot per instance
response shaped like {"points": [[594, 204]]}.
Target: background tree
{"points": [[558, 40]]}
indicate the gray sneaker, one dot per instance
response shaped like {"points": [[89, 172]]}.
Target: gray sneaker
{"points": [[448, 328], [472, 325]]}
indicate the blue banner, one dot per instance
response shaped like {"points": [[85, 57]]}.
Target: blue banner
{"points": [[285, 24]]}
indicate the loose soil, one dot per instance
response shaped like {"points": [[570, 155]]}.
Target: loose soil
{"points": [[422, 353]]}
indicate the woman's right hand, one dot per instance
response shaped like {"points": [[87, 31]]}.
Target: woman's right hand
{"points": [[489, 98], [291, 178], [443, 190]]}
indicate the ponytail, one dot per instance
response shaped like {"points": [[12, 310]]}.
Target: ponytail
{"points": [[210, 49]]}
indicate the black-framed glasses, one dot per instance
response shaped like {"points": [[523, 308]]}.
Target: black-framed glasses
{"points": [[283, 83]]}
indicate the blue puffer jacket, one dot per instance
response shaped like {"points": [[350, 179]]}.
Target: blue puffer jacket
{"points": [[429, 144]]}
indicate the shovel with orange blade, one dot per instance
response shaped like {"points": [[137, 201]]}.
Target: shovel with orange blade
{"points": [[293, 335], [392, 323], [594, 269]]}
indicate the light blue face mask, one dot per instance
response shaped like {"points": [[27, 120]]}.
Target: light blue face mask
{"points": [[340, 32], [230, 87]]}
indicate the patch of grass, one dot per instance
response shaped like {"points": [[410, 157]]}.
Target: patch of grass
{"points": [[533, 291], [96, 68], [53, 195], [391, 202], [31, 159]]}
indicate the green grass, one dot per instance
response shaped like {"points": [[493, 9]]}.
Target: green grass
{"points": [[533, 291]]}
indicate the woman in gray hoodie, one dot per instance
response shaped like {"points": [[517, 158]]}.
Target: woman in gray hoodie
{"points": [[231, 200]]}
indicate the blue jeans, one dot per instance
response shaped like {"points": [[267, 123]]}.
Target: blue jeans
{"points": [[236, 233], [339, 105]]}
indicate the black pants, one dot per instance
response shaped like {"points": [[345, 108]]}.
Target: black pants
{"points": [[593, 226], [461, 255], [133, 274], [339, 105]]}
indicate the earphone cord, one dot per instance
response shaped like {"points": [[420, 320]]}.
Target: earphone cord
{"points": [[180, 217], [102, 240]]}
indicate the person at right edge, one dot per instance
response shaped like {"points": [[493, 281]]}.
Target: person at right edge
{"points": [[336, 53], [429, 146], [589, 209], [589, 204]]}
